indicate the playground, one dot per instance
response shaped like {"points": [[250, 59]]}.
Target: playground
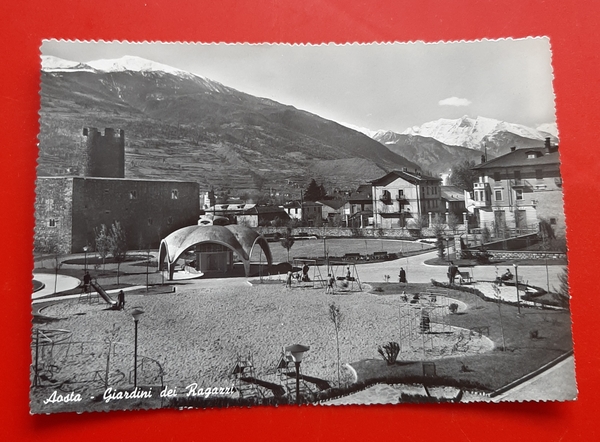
{"points": [[199, 331]]}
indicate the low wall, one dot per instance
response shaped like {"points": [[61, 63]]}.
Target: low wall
{"points": [[346, 232], [518, 242], [506, 254]]}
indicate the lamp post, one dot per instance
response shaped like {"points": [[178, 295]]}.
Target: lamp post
{"points": [[85, 250], [297, 352], [517, 286], [136, 313]]}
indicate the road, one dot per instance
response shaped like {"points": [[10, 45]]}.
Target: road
{"points": [[419, 272]]}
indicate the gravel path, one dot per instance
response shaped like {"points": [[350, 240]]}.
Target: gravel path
{"points": [[197, 333]]}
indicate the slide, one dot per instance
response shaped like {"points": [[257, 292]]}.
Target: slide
{"points": [[102, 293]]}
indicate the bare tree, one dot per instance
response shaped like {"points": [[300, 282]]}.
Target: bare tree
{"points": [[336, 317], [102, 242], [117, 245], [287, 241]]}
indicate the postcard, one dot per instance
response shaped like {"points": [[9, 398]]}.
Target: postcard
{"points": [[224, 225]]}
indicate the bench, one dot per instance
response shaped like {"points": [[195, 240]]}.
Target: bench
{"points": [[465, 278], [481, 330]]}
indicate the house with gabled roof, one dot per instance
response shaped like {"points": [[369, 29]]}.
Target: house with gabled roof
{"points": [[402, 198], [519, 189]]}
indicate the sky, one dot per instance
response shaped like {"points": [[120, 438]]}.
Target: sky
{"points": [[375, 86]]}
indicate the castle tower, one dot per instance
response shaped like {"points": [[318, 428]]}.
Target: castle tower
{"points": [[105, 154]]}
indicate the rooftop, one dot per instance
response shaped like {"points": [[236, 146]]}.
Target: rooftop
{"points": [[523, 157]]}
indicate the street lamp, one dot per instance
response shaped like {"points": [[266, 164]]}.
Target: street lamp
{"points": [[297, 352], [136, 313], [85, 250], [517, 286]]}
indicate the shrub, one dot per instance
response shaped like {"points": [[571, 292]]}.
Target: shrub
{"points": [[389, 352], [534, 334], [453, 307]]}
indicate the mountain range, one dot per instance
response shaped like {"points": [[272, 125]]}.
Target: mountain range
{"points": [[437, 145], [179, 125]]}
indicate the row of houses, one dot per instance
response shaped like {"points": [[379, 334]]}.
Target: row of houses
{"points": [[514, 191], [397, 199]]}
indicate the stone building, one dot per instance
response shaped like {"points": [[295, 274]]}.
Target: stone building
{"points": [[68, 209]]}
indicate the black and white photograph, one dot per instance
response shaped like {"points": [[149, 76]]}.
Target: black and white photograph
{"points": [[232, 225]]}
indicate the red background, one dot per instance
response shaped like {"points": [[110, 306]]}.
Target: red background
{"points": [[573, 29]]}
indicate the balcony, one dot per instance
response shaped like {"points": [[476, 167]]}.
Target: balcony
{"points": [[385, 198], [521, 184]]}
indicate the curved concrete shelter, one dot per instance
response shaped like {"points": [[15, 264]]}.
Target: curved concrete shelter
{"points": [[213, 246]]}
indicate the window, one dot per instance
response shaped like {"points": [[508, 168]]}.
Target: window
{"points": [[49, 204], [52, 222], [401, 193], [518, 194], [553, 221], [174, 194], [539, 174], [133, 195], [496, 176], [427, 190], [498, 195]]}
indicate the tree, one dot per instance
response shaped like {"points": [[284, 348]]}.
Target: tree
{"points": [[314, 192], [453, 222], [562, 293], [117, 245], [287, 241], [102, 242], [336, 318], [463, 176]]}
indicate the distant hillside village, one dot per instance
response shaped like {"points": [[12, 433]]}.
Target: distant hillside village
{"points": [[507, 195]]}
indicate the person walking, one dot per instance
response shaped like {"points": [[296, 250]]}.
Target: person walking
{"points": [[452, 271], [288, 280], [402, 275]]}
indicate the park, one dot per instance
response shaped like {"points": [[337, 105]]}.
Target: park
{"points": [[236, 333]]}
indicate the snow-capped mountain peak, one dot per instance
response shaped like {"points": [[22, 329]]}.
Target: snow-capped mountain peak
{"points": [[135, 64], [471, 132], [127, 63], [56, 64]]}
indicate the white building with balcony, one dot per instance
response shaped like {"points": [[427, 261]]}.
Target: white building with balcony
{"points": [[518, 189]]}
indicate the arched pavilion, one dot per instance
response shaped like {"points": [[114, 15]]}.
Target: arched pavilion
{"points": [[213, 247]]}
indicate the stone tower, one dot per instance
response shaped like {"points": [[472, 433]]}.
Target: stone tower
{"points": [[104, 154]]}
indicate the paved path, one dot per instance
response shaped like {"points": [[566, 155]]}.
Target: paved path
{"points": [[419, 272], [555, 384], [63, 283]]}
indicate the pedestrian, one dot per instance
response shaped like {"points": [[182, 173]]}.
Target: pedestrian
{"points": [[402, 275], [305, 269], [87, 279], [121, 300], [348, 274], [452, 271], [330, 283], [288, 280]]}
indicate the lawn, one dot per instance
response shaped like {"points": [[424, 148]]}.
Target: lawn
{"points": [[522, 355], [338, 247]]}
